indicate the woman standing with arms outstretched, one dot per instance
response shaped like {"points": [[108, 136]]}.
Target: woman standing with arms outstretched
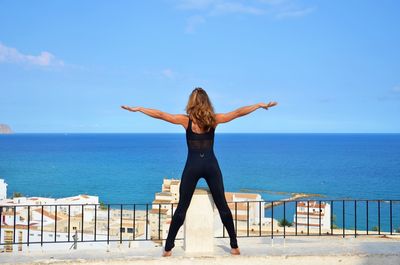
{"points": [[200, 123]]}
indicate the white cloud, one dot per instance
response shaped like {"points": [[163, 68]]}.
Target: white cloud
{"points": [[396, 89], [280, 9], [195, 4], [193, 22], [218, 7], [231, 7], [295, 12], [168, 73], [12, 55]]}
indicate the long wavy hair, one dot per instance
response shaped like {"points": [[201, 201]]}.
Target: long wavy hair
{"points": [[200, 109]]}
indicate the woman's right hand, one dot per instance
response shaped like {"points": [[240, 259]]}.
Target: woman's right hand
{"points": [[131, 108], [270, 104]]}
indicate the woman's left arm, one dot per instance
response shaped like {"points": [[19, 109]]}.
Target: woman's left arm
{"points": [[158, 114]]}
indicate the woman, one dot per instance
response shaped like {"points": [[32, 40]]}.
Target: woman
{"points": [[200, 123]]}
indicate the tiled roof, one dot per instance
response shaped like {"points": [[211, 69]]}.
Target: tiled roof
{"points": [[48, 214]]}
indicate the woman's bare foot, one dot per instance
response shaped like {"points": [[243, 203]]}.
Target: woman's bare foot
{"points": [[166, 253], [235, 251]]}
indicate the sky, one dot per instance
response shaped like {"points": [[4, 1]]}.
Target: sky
{"points": [[332, 66]]}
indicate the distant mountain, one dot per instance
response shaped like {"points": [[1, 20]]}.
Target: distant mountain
{"points": [[5, 129]]}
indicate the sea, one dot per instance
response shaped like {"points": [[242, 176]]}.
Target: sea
{"points": [[129, 168]]}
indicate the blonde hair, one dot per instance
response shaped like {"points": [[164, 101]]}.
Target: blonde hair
{"points": [[200, 109]]}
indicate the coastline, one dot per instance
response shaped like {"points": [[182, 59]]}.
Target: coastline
{"points": [[293, 196]]}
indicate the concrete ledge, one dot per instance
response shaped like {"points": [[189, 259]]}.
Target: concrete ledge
{"points": [[199, 223], [296, 251]]}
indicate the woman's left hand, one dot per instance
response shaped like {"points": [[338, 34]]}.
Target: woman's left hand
{"points": [[131, 108], [270, 104]]}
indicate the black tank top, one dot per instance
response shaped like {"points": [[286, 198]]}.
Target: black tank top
{"points": [[199, 142]]}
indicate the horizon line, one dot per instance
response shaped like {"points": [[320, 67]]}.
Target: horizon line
{"points": [[14, 133]]}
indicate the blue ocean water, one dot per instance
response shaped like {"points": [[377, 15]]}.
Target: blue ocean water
{"points": [[128, 168]]}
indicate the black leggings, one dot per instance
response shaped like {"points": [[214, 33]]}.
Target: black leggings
{"points": [[196, 167]]}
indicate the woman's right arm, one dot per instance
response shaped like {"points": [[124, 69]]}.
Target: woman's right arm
{"points": [[227, 117], [158, 114]]}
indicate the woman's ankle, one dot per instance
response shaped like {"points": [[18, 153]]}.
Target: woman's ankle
{"points": [[169, 247], [234, 245]]}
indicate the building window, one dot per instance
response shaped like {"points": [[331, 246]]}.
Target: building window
{"points": [[130, 230], [122, 229]]}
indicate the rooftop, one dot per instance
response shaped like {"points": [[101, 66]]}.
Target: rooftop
{"points": [[298, 251]]}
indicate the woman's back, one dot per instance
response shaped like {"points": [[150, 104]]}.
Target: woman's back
{"points": [[199, 142]]}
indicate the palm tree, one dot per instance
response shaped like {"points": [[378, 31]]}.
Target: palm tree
{"points": [[284, 222], [103, 206], [16, 194]]}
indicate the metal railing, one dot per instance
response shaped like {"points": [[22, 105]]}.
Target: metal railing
{"points": [[64, 223]]}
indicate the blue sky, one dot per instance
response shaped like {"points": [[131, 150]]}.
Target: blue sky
{"points": [[67, 66]]}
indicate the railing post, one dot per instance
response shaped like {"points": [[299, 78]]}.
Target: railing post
{"points": [[367, 225], [14, 217], [284, 220], [41, 229], [83, 221], [331, 217], [108, 224], [308, 217], [95, 222], [120, 224], [134, 225], [319, 216], [295, 214], [248, 224], [355, 218], [69, 223], [55, 225], [391, 218], [159, 221], [147, 219], [29, 221], [379, 217], [344, 223], [259, 219], [272, 220]]}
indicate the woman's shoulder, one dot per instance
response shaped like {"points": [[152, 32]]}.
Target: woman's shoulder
{"points": [[186, 121]]}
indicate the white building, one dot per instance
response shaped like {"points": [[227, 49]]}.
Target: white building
{"points": [[74, 205], [74, 200], [162, 208], [171, 186], [246, 206], [69, 205], [3, 190], [310, 213]]}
